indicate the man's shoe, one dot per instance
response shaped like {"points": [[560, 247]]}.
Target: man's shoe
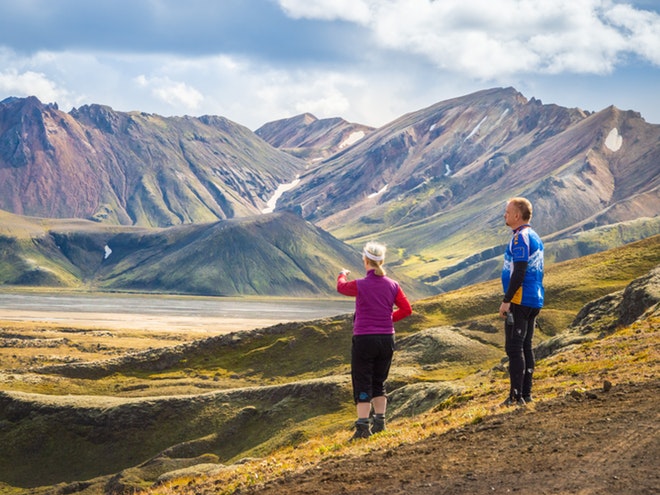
{"points": [[512, 401], [527, 399], [362, 430]]}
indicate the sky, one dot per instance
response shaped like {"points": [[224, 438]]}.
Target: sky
{"points": [[367, 61]]}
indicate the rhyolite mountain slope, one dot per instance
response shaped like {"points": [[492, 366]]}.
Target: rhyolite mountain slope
{"points": [[133, 168], [310, 138], [434, 182]]}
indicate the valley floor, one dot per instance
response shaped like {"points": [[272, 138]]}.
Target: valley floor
{"points": [[119, 312], [594, 442]]}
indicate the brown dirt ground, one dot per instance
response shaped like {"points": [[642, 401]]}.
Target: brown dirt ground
{"points": [[591, 443]]}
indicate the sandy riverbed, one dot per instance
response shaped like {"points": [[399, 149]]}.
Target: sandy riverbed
{"points": [[171, 314], [123, 321]]}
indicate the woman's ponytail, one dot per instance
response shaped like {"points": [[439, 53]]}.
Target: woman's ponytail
{"points": [[374, 254]]}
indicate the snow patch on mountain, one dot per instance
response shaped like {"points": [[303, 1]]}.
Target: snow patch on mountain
{"points": [[614, 140], [476, 129], [272, 202], [352, 139], [504, 114], [378, 193]]}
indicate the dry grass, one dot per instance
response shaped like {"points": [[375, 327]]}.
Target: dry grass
{"points": [[617, 358]]}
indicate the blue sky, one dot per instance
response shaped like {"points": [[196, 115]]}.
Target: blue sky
{"points": [[368, 61]]}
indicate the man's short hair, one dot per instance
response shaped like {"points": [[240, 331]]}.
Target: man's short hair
{"points": [[524, 206]]}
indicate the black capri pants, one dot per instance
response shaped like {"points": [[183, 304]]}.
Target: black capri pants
{"points": [[371, 358]]}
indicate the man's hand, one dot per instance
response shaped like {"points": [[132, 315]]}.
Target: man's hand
{"points": [[344, 272], [504, 309]]}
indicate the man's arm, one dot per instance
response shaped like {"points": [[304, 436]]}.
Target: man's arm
{"points": [[517, 278]]}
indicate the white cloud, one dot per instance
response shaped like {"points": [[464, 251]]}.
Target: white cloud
{"points": [[30, 83], [642, 30], [397, 56], [253, 93], [59, 77], [347, 10], [322, 93], [493, 40], [176, 94], [246, 91]]}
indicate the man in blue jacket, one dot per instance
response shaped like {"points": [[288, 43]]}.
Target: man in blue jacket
{"points": [[522, 281]]}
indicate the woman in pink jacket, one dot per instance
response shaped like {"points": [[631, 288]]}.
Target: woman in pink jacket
{"points": [[376, 295]]}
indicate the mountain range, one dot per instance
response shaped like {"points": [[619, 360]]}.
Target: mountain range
{"points": [[432, 185], [133, 168]]}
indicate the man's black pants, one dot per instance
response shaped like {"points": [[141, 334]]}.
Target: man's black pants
{"points": [[518, 346]]}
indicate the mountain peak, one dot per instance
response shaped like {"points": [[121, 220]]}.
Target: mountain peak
{"points": [[310, 138]]}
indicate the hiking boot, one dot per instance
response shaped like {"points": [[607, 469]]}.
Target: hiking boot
{"points": [[362, 430], [527, 399], [378, 424], [512, 401]]}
